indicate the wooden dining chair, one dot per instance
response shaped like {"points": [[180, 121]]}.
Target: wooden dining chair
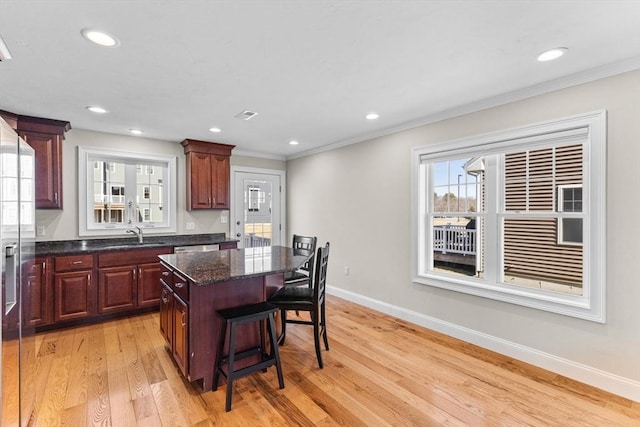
{"points": [[310, 299], [306, 246]]}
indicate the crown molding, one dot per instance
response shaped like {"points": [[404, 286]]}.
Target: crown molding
{"points": [[564, 82]]}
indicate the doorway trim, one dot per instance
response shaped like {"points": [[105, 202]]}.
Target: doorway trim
{"points": [[260, 171]]}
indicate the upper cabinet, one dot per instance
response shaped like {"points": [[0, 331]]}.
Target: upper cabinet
{"points": [[45, 136], [208, 174]]}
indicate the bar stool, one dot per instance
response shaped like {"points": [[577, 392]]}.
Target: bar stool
{"points": [[239, 316]]}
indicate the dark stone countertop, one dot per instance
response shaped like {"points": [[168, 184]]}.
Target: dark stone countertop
{"points": [[69, 247], [206, 268]]}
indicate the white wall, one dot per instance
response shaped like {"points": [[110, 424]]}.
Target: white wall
{"points": [[63, 224], [358, 197]]}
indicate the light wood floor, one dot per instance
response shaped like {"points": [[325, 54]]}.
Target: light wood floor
{"points": [[379, 371]]}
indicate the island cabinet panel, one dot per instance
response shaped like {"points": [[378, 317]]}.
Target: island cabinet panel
{"points": [[166, 314], [180, 341], [205, 325], [116, 289]]}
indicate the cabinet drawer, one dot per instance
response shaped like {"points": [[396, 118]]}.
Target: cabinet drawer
{"points": [[181, 286], [166, 275], [73, 262]]}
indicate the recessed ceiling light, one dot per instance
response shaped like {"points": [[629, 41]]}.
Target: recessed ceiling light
{"points": [[96, 109], [372, 116], [552, 54], [100, 37], [135, 131], [215, 130], [293, 142]]}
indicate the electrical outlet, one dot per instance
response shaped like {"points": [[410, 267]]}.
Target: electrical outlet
{"points": [[224, 219], [190, 226], [346, 271], [40, 230]]}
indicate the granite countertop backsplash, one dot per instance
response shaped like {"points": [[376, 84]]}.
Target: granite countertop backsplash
{"points": [[63, 247]]}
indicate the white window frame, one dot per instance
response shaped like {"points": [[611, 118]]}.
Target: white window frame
{"points": [[87, 226], [590, 305]]}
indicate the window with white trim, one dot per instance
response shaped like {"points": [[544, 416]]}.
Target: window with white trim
{"points": [[516, 215], [114, 195]]}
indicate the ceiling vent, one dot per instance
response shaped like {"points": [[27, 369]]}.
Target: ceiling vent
{"points": [[4, 51], [246, 115]]}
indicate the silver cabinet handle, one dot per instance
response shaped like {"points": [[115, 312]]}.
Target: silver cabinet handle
{"points": [[165, 273], [180, 284]]}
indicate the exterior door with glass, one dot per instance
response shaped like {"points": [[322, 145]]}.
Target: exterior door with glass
{"points": [[257, 207]]}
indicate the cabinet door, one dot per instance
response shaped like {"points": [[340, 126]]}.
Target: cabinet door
{"points": [[73, 292], [166, 314], [149, 284], [221, 173], [181, 334], [38, 310], [117, 288], [48, 159], [200, 181]]}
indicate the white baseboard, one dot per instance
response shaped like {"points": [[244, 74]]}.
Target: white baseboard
{"points": [[612, 383]]}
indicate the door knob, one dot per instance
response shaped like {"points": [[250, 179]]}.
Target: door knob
{"points": [[238, 234]]}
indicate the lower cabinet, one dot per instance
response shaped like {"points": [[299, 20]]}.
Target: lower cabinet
{"points": [[180, 347], [117, 288], [129, 279], [73, 295], [74, 290], [166, 314], [174, 322], [39, 292]]}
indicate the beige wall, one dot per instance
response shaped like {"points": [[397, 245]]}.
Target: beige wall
{"points": [[63, 224], [358, 197]]}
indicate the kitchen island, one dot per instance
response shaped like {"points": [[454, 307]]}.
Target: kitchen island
{"points": [[197, 284]]}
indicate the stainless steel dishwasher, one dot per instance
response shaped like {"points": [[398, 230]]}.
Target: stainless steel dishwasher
{"points": [[195, 248]]}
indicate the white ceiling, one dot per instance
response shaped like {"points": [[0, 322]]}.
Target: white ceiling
{"points": [[312, 69]]}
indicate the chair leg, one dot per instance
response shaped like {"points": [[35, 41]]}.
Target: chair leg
{"points": [[316, 339], [216, 368], [324, 327], [274, 349], [230, 365], [283, 335]]}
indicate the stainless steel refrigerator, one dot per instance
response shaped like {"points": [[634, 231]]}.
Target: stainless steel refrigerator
{"points": [[17, 243]]}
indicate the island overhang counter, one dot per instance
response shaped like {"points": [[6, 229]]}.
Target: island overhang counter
{"points": [[197, 284]]}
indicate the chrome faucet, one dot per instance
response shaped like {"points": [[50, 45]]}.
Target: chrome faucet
{"points": [[137, 233]]}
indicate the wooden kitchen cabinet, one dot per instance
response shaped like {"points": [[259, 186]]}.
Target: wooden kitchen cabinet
{"points": [[148, 284], [117, 288], [180, 349], [129, 279], [174, 316], [166, 314], [74, 290], [208, 174], [39, 293], [45, 136]]}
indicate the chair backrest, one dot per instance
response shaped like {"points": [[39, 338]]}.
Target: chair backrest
{"points": [[305, 244], [320, 279]]}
